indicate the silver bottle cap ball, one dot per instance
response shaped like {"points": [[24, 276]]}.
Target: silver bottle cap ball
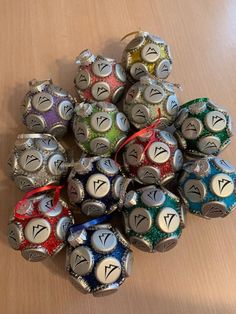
{"points": [[116, 186], [58, 130], [168, 220], [148, 174], [214, 209], [93, 208], [47, 143], [215, 121], [35, 122], [172, 105], [62, 227], [101, 122], [195, 190], [153, 197], [107, 166], [141, 244], [100, 145], [25, 183], [150, 52], [56, 163], [131, 199], [140, 220], [120, 73], [224, 165], [138, 69], [101, 68], [168, 138], [45, 206], [166, 244], [209, 145], [82, 79], [122, 122], [140, 114], [31, 160], [135, 43], [163, 69], [103, 241], [81, 131], [134, 154], [34, 254], [108, 270], [153, 94], [75, 191], [100, 90], [191, 128], [222, 185], [42, 101], [15, 235], [117, 94], [128, 263], [158, 152], [66, 110], [98, 185], [81, 260], [178, 160], [37, 230]]}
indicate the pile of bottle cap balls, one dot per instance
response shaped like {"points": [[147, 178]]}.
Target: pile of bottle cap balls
{"points": [[136, 143]]}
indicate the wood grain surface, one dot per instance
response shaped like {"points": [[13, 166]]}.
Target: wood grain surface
{"points": [[40, 39]]}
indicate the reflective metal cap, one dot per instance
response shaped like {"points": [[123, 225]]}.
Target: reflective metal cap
{"points": [[101, 68], [135, 43], [81, 132], [122, 122], [31, 160], [215, 121], [47, 143], [158, 152], [35, 123], [163, 69], [81, 260], [222, 185], [56, 163], [37, 230], [150, 53], [103, 241], [66, 110], [62, 227], [120, 73], [195, 190], [197, 107], [178, 160], [106, 290], [101, 121], [107, 166], [58, 91], [224, 165], [131, 199], [134, 154], [128, 263], [98, 185], [117, 94], [138, 69], [116, 186], [25, 183], [42, 101], [58, 130], [153, 94], [100, 90], [132, 93], [75, 191], [153, 197], [172, 105], [148, 174], [34, 254], [168, 220], [140, 220], [140, 114], [82, 79], [141, 244], [15, 235], [214, 209], [191, 128], [22, 143], [45, 206], [168, 138], [166, 244], [93, 208], [108, 270], [209, 145], [100, 145]]}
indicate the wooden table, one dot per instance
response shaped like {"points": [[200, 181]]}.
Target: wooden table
{"points": [[40, 39]]}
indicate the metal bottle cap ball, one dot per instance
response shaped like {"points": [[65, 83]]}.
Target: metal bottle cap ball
{"points": [[66, 110], [31, 160], [82, 79], [153, 197], [140, 220], [81, 260], [37, 230], [154, 94], [42, 101], [34, 254], [103, 241], [215, 121], [101, 68], [100, 90], [150, 52], [101, 121], [168, 220], [45, 206], [98, 185], [222, 185], [62, 227], [108, 270], [35, 122], [195, 190], [158, 152]]}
